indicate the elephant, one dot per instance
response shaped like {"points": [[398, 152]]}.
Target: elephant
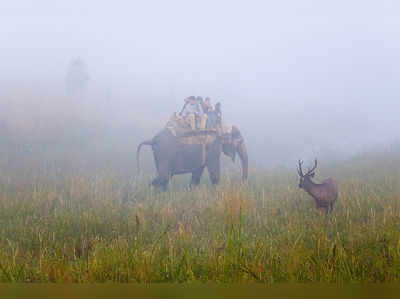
{"points": [[173, 157]]}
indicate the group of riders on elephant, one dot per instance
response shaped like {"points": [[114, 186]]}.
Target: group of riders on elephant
{"points": [[194, 140]]}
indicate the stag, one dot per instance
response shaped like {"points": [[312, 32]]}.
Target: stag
{"points": [[324, 194]]}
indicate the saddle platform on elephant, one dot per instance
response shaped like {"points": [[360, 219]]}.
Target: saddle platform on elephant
{"points": [[181, 129], [200, 132]]}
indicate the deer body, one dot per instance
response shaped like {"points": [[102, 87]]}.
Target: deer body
{"points": [[324, 194]]}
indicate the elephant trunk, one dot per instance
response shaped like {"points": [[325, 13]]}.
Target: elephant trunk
{"points": [[244, 159]]}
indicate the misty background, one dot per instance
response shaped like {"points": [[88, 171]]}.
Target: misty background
{"points": [[299, 78]]}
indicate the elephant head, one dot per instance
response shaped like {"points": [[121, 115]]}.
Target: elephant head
{"points": [[233, 143]]}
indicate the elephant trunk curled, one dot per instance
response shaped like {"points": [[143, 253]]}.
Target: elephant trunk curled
{"points": [[240, 147], [244, 160]]}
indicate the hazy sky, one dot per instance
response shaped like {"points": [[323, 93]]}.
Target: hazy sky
{"points": [[284, 44], [280, 68]]}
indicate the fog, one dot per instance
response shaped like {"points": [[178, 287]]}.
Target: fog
{"points": [[299, 78]]}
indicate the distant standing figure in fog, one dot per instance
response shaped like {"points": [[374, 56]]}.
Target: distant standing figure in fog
{"points": [[77, 79]]}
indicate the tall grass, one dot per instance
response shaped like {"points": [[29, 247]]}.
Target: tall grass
{"points": [[79, 229]]}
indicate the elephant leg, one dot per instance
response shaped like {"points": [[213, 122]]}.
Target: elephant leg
{"points": [[214, 171], [163, 177], [196, 176], [213, 162], [160, 182], [214, 175]]}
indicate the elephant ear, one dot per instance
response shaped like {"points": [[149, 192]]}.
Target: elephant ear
{"points": [[236, 143]]}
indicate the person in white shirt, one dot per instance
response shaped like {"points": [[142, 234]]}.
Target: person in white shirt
{"points": [[191, 111]]}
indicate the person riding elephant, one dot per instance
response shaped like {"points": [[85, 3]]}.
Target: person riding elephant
{"points": [[207, 106], [189, 111], [213, 115], [202, 118], [193, 114]]}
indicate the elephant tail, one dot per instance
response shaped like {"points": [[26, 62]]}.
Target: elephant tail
{"points": [[147, 142]]}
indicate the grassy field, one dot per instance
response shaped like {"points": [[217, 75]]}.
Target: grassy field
{"points": [[100, 229]]}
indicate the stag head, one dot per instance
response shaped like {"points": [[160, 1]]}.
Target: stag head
{"points": [[309, 174]]}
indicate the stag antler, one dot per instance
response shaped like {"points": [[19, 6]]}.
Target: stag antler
{"points": [[299, 170], [312, 169]]}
